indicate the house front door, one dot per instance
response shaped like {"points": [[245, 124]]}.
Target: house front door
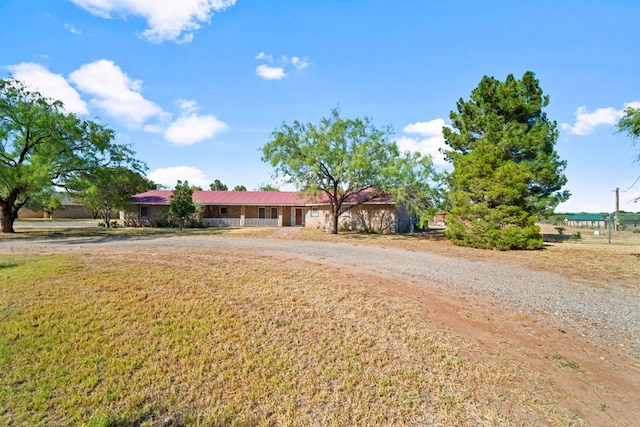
{"points": [[298, 214]]}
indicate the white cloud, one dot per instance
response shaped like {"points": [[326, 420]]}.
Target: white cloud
{"points": [[169, 176], [277, 69], [168, 20], [431, 128], [187, 105], [116, 93], [264, 56], [586, 122], [154, 128], [270, 73], [119, 96], [431, 142], [49, 85], [72, 29], [300, 64], [192, 129]]}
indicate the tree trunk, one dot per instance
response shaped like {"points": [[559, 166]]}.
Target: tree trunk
{"points": [[334, 222], [6, 220], [106, 218]]}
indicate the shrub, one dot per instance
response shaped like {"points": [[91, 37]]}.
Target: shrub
{"points": [[484, 235], [576, 236]]}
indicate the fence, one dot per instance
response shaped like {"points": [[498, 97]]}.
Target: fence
{"points": [[260, 222], [222, 222], [235, 222]]}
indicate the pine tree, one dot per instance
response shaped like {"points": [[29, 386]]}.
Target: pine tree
{"points": [[506, 170]]}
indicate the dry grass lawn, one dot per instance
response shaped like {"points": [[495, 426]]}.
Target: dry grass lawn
{"points": [[204, 337]]}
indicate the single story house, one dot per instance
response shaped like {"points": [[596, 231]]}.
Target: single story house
{"points": [[589, 221], [275, 209], [69, 208]]}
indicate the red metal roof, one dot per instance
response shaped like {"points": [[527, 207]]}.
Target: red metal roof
{"points": [[153, 197], [247, 198]]}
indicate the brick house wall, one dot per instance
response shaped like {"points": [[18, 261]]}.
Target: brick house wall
{"points": [[374, 218], [66, 211]]}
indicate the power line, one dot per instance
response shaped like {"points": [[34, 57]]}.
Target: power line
{"points": [[636, 181]]}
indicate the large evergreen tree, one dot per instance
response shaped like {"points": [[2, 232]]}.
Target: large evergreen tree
{"points": [[506, 170]]}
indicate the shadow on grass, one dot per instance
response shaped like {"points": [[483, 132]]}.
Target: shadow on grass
{"points": [[150, 418], [8, 264], [556, 238], [115, 233], [430, 234]]}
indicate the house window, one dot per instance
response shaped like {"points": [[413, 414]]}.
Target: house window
{"points": [[224, 211], [144, 211], [314, 211], [274, 213], [262, 213]]}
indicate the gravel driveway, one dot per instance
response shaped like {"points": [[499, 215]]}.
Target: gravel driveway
{"points": [[611, 313]]}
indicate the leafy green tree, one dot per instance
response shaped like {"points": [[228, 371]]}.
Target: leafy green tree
{"points": [[182, 206], [47, 201], [630, 122], [239, 188], [107, 190], [267, 187], [154, 185], [339, 158], [412, 181], [506, 171], [42, 147], [218, 186]]}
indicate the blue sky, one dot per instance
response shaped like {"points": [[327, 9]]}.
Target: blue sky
{"points": [[196, 87]]}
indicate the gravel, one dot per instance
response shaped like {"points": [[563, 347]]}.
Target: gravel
{"points": [[609, 313]]}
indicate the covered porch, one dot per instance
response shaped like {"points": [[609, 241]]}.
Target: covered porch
{"points": [[253, 216]]}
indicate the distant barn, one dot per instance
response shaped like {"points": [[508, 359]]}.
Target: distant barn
{"points": [[588, 221]]}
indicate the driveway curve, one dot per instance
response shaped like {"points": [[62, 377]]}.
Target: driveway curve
{"points": [[607, 313]]}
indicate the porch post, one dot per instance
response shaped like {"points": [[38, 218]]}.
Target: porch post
{"points": [[242, 216], [280, 216]]}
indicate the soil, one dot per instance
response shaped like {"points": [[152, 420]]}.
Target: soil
{"points": [[606, 389]]}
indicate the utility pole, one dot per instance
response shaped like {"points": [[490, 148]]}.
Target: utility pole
{"points": [[617, 206], [616, 218]]}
